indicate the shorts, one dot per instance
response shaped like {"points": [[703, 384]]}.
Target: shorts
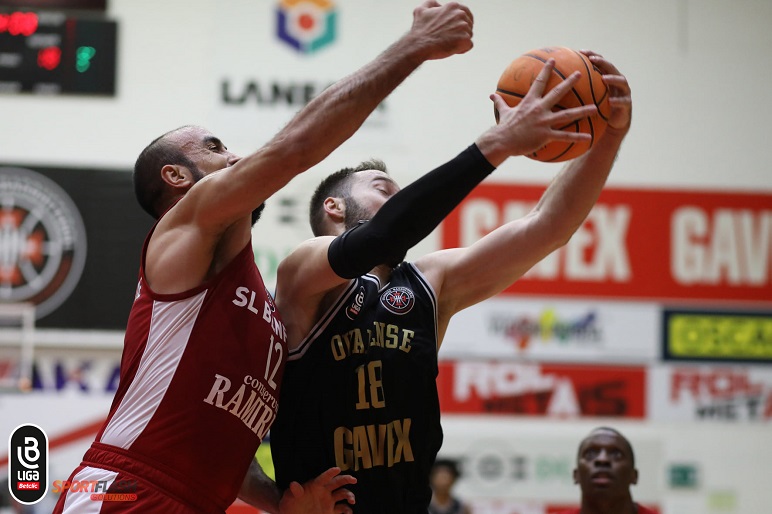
{"points": [[92, 490]]}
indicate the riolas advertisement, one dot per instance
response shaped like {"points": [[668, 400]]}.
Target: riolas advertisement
{"points": [[559, 391]]}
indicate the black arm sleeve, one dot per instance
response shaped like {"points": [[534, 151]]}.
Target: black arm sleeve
{"points": [[408, 217]]}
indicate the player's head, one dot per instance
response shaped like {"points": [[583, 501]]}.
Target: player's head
{"points": [[605, 465], [173, 162], [349, 195], [444, 474]]}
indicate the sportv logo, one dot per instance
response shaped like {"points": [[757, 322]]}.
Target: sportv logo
{"points": [[306, 25], [42, 241]]}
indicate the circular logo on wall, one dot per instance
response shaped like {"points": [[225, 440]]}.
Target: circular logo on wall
{"points": [[42, 241], [399, 300]]}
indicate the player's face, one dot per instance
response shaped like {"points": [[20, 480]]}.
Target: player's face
{"points": [[369, 191], [205, 150], [209, 155], [442, 479], [605, 465]]}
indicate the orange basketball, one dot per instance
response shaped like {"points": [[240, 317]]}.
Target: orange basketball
{"points": [[517, 78]]}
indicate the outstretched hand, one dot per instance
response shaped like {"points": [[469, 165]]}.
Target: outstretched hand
{"points": [[442, 30], [319, 495], [532, 124], [620, 99]]}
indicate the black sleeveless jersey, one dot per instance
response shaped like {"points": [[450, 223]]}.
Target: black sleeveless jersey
{"points": [[360, 393]]}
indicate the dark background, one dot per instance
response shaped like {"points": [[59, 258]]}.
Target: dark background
{"points": [[116, 227]]}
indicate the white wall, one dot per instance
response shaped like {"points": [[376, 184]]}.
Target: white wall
{"points": [[700, 73]]}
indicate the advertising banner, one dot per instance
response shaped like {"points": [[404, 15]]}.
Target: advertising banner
{"points": [[545, 390], [555, 330], [710, 393], [722, 336], [638, 243], [520, 464], [71, 242]]}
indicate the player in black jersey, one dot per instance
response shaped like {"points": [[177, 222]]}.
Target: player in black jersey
{"points": [[364, 327]]}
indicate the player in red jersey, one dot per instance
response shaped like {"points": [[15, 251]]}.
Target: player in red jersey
{"points": [[205, 348], [605, 470]]}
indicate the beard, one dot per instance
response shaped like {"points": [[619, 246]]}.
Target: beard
{"points": [[354, 213]]}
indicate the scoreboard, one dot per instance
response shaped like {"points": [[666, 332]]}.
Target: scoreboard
{"points": [[56, 51]]}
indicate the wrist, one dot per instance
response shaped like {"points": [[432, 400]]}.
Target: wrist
{"points": [[618, 132], [492, 149], [412, 49]]}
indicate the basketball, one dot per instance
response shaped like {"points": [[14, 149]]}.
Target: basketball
{"points": [[520, 74]]}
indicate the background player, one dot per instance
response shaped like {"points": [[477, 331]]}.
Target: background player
{"points": [[364, 327], [605, 471], [443, 477], [204, 349]]}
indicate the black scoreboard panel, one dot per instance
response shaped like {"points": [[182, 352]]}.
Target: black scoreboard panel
{"points": [[93, 5], [56, 52]]}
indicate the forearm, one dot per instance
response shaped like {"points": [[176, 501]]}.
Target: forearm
{"points": [[409, 216], [258, 490], [572, 194], [335, 114]]}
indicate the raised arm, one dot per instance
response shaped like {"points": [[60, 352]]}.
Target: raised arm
{"points": [[466, 276], [438, 31], [210, 224], [410, 215]]}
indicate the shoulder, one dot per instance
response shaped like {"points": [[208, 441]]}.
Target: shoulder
{"points": [[308, 249]]}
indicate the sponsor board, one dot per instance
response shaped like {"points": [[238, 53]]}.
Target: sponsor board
{"points": [[60, 249], [520, 507], [515, 460], [703, 393], [636, 243], [76, 370], [717, 336], [549, 390], [43, 240], [554, 330], [306, 25]]}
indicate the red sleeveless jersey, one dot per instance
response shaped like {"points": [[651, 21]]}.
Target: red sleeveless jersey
{"points": [[199, 386]]}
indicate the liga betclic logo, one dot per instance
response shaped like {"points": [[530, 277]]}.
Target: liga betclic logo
{"points": [[28, 464]]}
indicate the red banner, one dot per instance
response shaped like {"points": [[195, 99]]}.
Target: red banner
{"points": [[655, 244], [474, 387]]}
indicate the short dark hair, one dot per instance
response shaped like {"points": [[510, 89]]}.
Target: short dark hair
{"points": [[336, 185], [449, 464], [613, 431], [148, 185]]}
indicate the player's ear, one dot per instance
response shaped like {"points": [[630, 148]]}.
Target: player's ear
{"points": [[177, 176], [576, 476], [634, 479], [335, 209]]}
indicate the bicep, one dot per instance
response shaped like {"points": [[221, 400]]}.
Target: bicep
{"points": [[306, 272], [466, 276]]}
